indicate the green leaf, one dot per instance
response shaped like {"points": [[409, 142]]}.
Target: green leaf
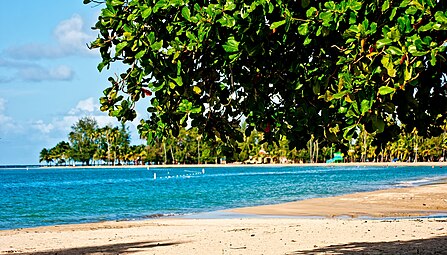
{"points": [[383, 42], [101, 66], [307, 41], [393, 13], [339, 95], [433, 58], [311, 12], [411, 10], [303, 29], [385, 5], [146, 13], [385, 90], [231, 45], [151, 37], [365, 106], [352, 18], [394, 50], [277, 24], [408, 74], [157, 46], [412, 49], [387, 62], [356, 5], [186, 13], [426, 27], [330, 5], [326, 17], [271, 7], [196, 110], [229, 6], [116, 2], [140, 54], [119, 48], [404, 3], [160, 4], [440, 17], [178, 80], [227, 21]]}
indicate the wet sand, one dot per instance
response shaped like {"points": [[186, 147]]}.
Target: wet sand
{"points": [[257, 235], [403, 202]]}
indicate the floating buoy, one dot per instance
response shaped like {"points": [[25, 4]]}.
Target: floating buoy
{"points": [[203, 171], [155, 176]]}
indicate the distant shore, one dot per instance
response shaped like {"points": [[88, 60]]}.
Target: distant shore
{"points": [[359, 164], [333, 232]]}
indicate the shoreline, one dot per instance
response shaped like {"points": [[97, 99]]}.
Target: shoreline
{"points": [[244, 234]]}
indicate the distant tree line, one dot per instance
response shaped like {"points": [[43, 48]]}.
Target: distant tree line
{"points": [[89, 144]]}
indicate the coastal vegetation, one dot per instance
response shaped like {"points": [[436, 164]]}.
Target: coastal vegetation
{"points": [[89, 144]]}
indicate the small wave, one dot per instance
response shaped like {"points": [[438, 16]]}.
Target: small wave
{"points": [[158, 215], [420, 182]]}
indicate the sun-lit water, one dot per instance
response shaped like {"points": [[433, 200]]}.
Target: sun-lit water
{"points": [[38, 197]]}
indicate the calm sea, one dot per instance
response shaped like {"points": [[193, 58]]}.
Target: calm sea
{"points": [[38, 197]]}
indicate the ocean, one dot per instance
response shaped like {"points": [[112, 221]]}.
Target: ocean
{"points": [[51, 196]]}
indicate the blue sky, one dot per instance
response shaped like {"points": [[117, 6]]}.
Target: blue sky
{"points": [[48, 76]]}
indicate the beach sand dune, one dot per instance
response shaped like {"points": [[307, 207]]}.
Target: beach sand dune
{"points": [[262, 235]]}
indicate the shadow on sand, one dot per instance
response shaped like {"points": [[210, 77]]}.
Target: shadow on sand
{"points": [[120, 248], [436, 245]]}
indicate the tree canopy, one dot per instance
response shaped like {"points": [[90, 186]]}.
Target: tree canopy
{"points": [[293, 68]]}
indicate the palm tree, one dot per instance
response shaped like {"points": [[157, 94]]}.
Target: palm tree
{"points": [[45, 156]]}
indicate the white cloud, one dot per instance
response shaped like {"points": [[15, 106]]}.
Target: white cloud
{"points": [[38, 74], [85, 106], [61, 126], [70, 38], [7, 123], [42, 127]]}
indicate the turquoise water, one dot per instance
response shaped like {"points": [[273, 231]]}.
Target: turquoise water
{"points": [[38, 197]]}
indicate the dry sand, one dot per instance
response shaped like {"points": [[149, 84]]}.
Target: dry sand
{"points": [[233, 236], [262, 235]]}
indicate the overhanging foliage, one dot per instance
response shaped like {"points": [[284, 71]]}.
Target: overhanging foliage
{"points": [[293, 68]]}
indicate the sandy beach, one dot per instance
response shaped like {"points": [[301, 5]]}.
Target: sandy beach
{"points": [[326, 234]]}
